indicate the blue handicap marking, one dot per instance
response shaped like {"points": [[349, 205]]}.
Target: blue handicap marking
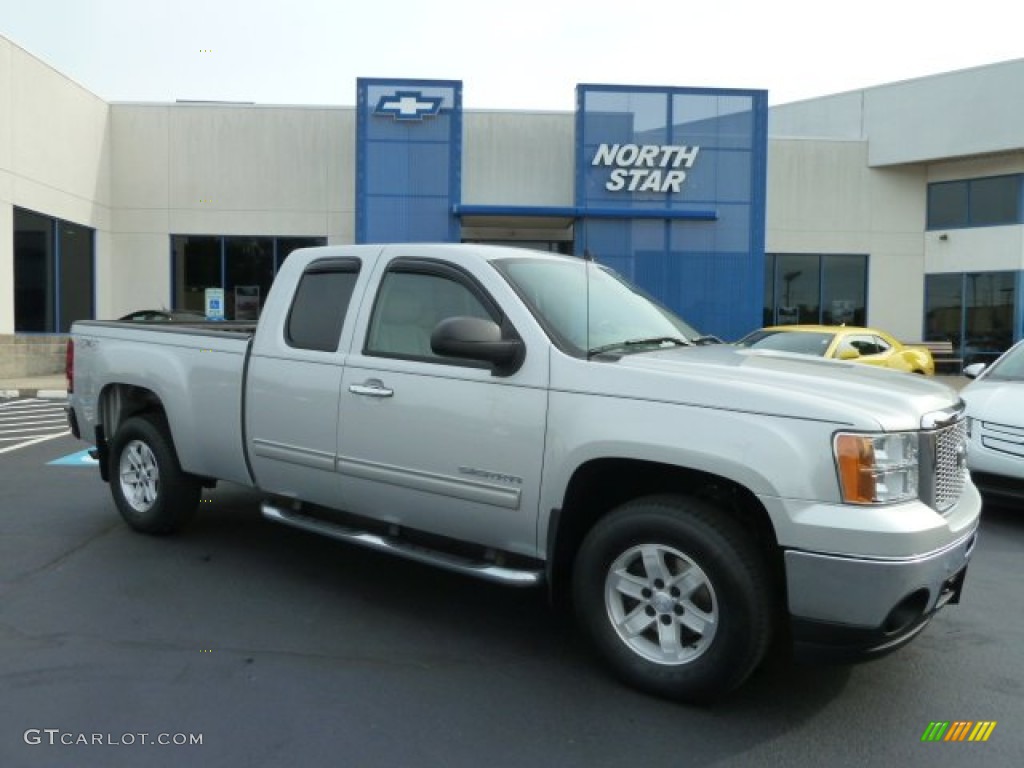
{"points": [[80, 459]]}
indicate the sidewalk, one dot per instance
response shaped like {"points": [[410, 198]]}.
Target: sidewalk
{"points": [[52, 386], [55, 386]]}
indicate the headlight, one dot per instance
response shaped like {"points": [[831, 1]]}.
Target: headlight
{"points": [[877, 469]]}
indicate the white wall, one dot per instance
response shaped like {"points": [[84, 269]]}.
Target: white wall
{"points": [[194, 169], [516, 158], [823, 198], [980, 249], [54, 155], [956, 114]]}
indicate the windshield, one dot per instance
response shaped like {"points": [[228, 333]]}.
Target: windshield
{"points": [[1010, 366], [557, 291], [802, 342]]}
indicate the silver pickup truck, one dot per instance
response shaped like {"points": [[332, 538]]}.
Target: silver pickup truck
{"points": [[533, 419]]}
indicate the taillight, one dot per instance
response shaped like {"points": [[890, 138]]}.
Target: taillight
{"points": [[69, 365]]}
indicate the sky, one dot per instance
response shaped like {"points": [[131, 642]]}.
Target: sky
{"points": [[526, 55]]}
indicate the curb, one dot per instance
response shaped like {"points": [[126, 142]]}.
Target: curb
{"points": [[42, 394]]}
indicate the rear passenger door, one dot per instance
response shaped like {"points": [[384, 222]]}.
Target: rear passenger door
{"points": [[293, 382], [435, 443]]}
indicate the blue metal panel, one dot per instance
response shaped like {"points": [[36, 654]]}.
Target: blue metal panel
{"points": [[408, 160], [562, 212], [651, 153], [1018, 312]]}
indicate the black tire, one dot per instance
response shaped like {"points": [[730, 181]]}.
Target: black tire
{"points": [[151, 491], [647, 581]]}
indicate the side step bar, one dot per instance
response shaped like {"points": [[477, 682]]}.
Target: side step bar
{"points": [[481, 569]]}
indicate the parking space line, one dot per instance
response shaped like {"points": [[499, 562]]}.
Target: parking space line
{"points": [[24, 422], [44, 428], [27, 443]]}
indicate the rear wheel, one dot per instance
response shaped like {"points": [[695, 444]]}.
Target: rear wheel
{"points": [[151, 491], [675, 597]]}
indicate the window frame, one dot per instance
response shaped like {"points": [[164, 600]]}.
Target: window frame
{"points": [[969, 217], [445, 270], [330, 265]]}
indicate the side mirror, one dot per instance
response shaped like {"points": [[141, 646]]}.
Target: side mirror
{"points": [[974, 370], [473, 338], [847, 353]]}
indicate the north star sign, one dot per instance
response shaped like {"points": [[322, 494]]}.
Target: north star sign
{"points": [[645, 167], [409, 105]]}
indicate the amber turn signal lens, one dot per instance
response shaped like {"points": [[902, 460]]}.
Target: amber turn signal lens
{"points": [[856, 457]]}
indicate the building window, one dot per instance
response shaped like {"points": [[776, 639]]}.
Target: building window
{"points": [[53, 273], [974, 311], [815, 289], [244, 267], [975, 202]]}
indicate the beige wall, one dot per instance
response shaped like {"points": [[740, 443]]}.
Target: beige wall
{"points": [[194, 169], [514, 158], [982, 248], [55, 153], [823, 198]]}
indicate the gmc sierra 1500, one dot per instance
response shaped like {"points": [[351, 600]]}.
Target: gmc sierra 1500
{"points": [[533, 419]]}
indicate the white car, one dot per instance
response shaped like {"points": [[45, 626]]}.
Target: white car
{"points": [[995, 419]]}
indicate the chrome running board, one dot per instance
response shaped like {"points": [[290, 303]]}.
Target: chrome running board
{"points": [[481, 569]]}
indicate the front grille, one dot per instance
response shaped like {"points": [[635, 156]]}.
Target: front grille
{"points": [[946, 456]]}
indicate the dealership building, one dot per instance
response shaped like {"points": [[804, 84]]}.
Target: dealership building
{"points": [[898, 206]]}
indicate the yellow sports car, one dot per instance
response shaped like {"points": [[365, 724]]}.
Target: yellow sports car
{"points": [[862, 345]]}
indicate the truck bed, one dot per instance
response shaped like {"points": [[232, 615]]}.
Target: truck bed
{"points": [[195, 369]]}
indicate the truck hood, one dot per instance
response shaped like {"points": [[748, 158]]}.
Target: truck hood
{"points": [[772, 383]]}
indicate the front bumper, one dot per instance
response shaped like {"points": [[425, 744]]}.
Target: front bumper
{"points": [[849, 608]]}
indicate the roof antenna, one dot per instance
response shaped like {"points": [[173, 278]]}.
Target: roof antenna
{"points": [[588, 259]]}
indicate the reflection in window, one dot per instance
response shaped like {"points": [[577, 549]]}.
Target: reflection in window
{"points": [[243, 266], [973, 310], [844, 289], [798, 288], [53, 273], [975, 202], [198, 267], [995, 201], [249, 272], [815, 289], [947, 205]]}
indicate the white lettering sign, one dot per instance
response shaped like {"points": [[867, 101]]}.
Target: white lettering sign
{"points": [[645, 167]]}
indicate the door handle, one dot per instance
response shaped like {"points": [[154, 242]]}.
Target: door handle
{"points": [[371, 388]]}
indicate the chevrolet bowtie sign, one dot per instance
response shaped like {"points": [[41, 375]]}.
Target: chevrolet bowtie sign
{"points": [[408, 105]]}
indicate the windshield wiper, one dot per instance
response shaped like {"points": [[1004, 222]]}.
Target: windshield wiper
{"points": [[703, 341], [630, 343]]}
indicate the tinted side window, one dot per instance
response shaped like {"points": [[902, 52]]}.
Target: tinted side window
{"points": [[864, 345], [319, 307], [408, 308]]}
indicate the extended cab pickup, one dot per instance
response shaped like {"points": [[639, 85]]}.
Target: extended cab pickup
{"points": [[532, 419]]}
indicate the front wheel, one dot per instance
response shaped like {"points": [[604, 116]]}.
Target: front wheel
{"points": [[151, 491], [675, 597]]}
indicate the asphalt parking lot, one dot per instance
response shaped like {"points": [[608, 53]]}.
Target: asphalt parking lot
{"points": [[277, 648]]}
